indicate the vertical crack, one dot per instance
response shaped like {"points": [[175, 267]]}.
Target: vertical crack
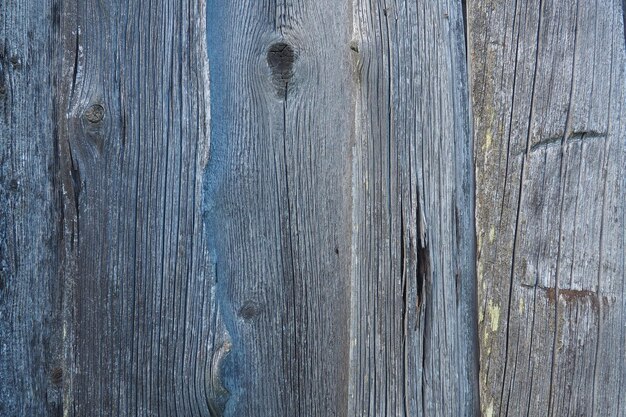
{"points": [[422, 279], [624, 20]]}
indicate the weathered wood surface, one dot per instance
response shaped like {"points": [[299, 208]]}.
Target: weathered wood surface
{"points": [[413, 321], [548, 93], [29, 223], [132, 106], [277, 196], [289, 233], [344, 183]]}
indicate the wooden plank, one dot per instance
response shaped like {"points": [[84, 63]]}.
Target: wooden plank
{"points": [[278, 201], [548, 97], [299, 244], [413, 329], [30, 372], [139, 301]]}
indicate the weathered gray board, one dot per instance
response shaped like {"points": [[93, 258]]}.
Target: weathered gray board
{"points": [[413, 321], [289, 233], [549, 95], [30, 326]]}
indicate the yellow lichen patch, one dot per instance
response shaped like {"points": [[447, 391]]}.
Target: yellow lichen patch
{"points": [[479, 277], [488, 140], [489, 410], [492, 234], [494, 315], [521, 305], [481, 316], [485, 343]]}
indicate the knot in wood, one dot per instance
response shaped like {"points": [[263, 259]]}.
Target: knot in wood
{"points": [[280, 58], [16, 62], [249, 310], [56, 376], [94, 113]]}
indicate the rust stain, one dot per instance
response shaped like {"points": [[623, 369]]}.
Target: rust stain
{"points": [[571, 296]]}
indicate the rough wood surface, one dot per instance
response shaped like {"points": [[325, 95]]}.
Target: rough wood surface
{"points": [[29, 223], [277, 201], [288, 234], [413, 347], [132, 142], [548, 92]]}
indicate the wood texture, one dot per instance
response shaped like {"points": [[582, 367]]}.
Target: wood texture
{"points": [[548, 97], [413, 329], [132, 114], [29, 224], [277, 202], [288, 234]]}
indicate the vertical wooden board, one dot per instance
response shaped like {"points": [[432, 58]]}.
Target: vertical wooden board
{"points": [[30, 373], [141, 331], [548, 92], [311, 254], [413, 330], [277, 201]]}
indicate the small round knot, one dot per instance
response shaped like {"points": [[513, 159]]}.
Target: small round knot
{"points": [[16, 62], [249, 310], [95, 113], [56, 376]]}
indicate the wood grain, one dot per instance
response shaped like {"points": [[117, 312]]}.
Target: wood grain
{"points": [[289, 233], [548, 99], [139, 301], [29, 299], [277, 201], [413, 349]]}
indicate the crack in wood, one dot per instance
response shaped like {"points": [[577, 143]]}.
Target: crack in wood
{"points": [[563, 140]]}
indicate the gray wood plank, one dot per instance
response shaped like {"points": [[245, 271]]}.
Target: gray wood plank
{"points": [[413, 350], [548, 97], [278, 200], [139, 300], [299, 243], [30, 353]]}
